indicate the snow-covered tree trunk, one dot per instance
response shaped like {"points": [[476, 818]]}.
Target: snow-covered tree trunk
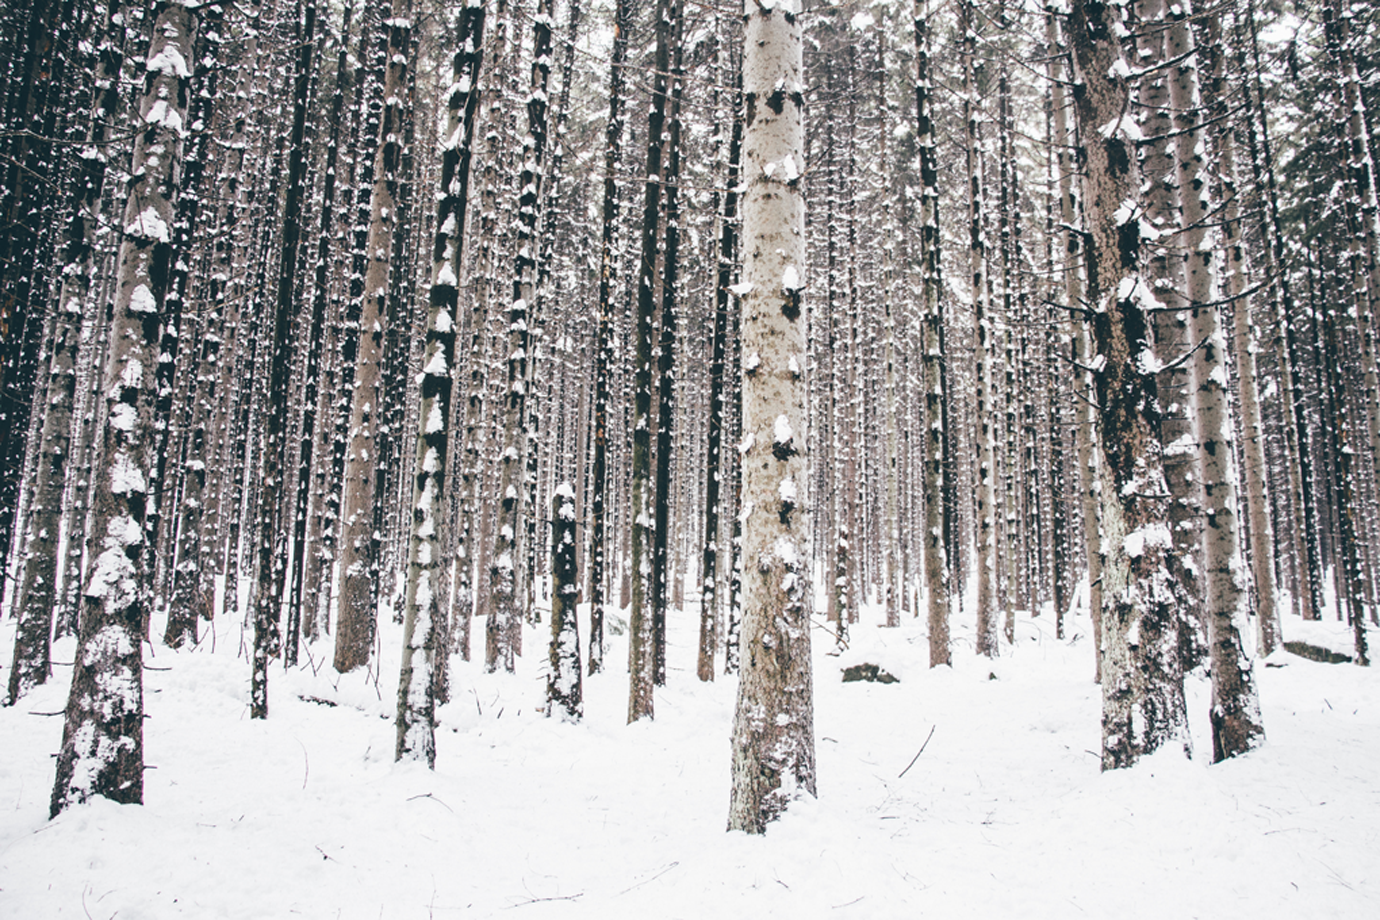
{"points": [[563, 679], [932, 316], [272, 549], [642, 639], [1235, 713], [1142, 685], [662, 569], [424, 617], [1085, 453], [773, 729], [1280, 310], [710, 600], [603, 343], [469, 419], [985, 497], [359, 542], [320, 391], [1234, 284], [103, 737], [37, 597], [506, 571], [1165, 279]]}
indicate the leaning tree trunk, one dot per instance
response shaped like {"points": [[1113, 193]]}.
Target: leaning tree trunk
{"points": [[103, 735], [773, 729], [1142, 685]]}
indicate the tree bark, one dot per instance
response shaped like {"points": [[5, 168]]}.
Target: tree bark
{"points": [[773, 729], [103, 737]]}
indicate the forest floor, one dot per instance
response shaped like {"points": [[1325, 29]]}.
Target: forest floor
{"points": [[1003, 814]]}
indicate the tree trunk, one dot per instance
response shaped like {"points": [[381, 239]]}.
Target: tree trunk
{"points": [[563, 678], [359, 544], [1235, 713], [773, 729], [932, 316], [37, 598], [603, 345], [642, 640], [102, 741], [1142, 685]]}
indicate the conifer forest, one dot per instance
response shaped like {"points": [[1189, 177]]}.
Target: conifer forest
{"points": [[604, 422]]}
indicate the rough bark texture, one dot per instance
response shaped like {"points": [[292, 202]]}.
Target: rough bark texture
{"points": [[603, 345], [423, 618], [1142, 686], [103, 737], [728, 246], [932, 316], [1235, 713], [563, 687], [1234, 283], [359, 538], [773, 729], [985, 498], [642, 616], [37, 595]]}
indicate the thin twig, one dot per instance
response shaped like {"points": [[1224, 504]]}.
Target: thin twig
{"points": [[568, 897], [919, 752], [652, 879]]}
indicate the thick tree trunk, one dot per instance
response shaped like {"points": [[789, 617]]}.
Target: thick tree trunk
{"points": [[773, 729], [359, 544], [1235, 712], [102, 741], [1142, 685]]}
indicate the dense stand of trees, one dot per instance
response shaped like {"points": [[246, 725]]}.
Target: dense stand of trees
{"points": [[969, 309]]}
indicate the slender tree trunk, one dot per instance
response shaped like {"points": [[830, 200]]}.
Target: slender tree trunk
{"points": [[603, 346], [662, 570], [642, 642], [728, 238], [563, 689], [986, 533], [932, 316]]}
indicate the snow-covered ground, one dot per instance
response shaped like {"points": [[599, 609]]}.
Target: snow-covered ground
{"points": [[1005, 813]]}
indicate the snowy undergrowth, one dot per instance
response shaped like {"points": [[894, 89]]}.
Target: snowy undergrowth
{"points": [[1004, 814]]}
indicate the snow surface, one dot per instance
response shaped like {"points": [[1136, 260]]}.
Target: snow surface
{"points": [[1004, 814]]}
